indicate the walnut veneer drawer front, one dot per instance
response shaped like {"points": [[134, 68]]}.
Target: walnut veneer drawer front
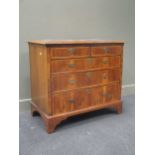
{"points": [[73, 65], [64, 81], [84, 98], [71, 77], [71, 51], [106, 50]]}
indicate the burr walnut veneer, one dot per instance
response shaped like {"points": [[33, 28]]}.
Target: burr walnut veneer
{"points": [[73, 77]]}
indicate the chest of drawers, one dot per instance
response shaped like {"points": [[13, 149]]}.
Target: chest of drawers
{"points": [[73, 77]]}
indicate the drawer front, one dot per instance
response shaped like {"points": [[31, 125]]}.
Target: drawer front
{"points": [[65, 81], [70, 101], [72, 65], [106, 50], [68, 52], [84, 98]]}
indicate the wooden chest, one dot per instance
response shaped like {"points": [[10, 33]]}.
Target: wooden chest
{"points": [[73, 77]]}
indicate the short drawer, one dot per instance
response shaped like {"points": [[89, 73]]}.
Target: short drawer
{"points": [[73, 65], [66, 81], [69, 52], [106, 50], [84, 98]]}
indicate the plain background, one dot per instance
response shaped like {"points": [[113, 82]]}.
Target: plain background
{"points": [[76, 19]]}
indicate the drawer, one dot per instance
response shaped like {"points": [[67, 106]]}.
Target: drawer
{"points": [[70, 101], [84, 98], [69, 52], [106, 50], [65, 81], [73, 65]]}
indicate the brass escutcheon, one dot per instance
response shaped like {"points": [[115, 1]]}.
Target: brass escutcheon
{"points": [[71, 101], [104, 76], [105, 61]]}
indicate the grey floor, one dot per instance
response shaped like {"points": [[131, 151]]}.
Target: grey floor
{"points": [[97, 133]]}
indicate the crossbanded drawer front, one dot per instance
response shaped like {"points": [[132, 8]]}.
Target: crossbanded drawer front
{"points": [[69, 51], [106, 50], [84, 98], [70, 101], [66, 81], [73, 65]]}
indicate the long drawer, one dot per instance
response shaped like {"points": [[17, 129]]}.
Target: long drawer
{"points": [[68, 81], [83, 98], [73, 65]]}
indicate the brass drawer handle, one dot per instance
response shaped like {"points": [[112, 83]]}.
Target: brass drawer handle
{"points": [[71, 101], [72, 81], [103, 94], [104, 76], [88, 90], [71, 50], [109, 96], [71, 65], [97, 101], [105, 49], [90, 60], [89, 74], [105, 61]]}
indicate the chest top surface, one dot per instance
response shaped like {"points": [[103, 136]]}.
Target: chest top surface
{"points": [[89, 41]]}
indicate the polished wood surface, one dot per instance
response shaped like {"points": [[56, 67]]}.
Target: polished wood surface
{"points": [[40, 77], [61, 42], [85, 64], [73, 77], [64, 81]]}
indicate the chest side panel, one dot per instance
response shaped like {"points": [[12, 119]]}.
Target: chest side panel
{"points": [[39, 73]]}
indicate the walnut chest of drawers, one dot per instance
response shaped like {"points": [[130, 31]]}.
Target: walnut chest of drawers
{"points": [[71, 77]]}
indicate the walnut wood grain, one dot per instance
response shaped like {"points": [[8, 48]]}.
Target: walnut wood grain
{"points": [[85, 64], [70, 77]]}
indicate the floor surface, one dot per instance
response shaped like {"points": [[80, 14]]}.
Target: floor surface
{"points": [[97, 133]]}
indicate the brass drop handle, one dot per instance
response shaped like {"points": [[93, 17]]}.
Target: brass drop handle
{"points": [[71, 50], [103, 94], [105, 61], [89, 60], [72, 81], [71, 101], [109, 96], [71, 65], [88, 91], [105, 49], [89, 74]]}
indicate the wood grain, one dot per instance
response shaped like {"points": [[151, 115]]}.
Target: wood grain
{"points": [[71, 77], [40, 77]]}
